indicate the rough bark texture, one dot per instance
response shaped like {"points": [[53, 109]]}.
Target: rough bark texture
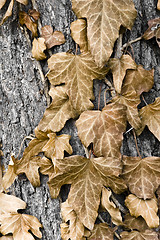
{"points": [[23, 102]]}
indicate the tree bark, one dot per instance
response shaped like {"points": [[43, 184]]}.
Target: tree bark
{"points": [[23, 101]]}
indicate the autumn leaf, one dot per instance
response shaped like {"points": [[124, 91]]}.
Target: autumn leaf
{"points": [[52, 38], [102, 231], [153, 30], [58, 112], [9, 176], [145, 208], [104, 129], [111, 207], [87, 177], [38, 49], [119, 68], [135, 235], [158, 5], [79, 34], [104, 19], [142, 176], [67, 68], [133, 223], [150, 117], [30, 20]]}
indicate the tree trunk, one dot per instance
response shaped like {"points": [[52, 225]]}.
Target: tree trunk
{"points": [[23, 101]]}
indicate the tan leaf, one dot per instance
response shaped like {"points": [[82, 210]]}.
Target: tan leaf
{"points": [[158, 5], [104, 19], [133, 223], [9, 176], [135, 235], [38, 49], [87, 177], [2, 2], [145, 208], [102, 232], [52, 38], [47, 168], [76, 228], [154, 29], [8, 12], [24, 2], [19, 225], [56, 146], [150, 116], [58, 112], [111, 207], [67, 68], [6, 238], [65, 233], [30, 20], [142, 176], [119, 68], [104, 129], [79, 34]]}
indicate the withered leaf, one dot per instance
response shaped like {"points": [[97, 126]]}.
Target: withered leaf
{"points": [[145, 208], [153, 30], [102, 231], [133, 223], [30, 20], [79, 34], [52, 38], [58, 112], [119, 68], [150, 116], [142, 176], [111, 207], [38, 49], [78, 72], [158, 5], [9, 176], [104, 19], [104, 129], [76, 228], [135, 235], [87, 177]]}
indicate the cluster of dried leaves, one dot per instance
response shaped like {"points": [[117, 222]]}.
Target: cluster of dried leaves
{"points": [[104, 170]]}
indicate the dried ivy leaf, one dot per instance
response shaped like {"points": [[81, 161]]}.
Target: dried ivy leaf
{"points": [[9, 176], [142, 176], [104, 19], [8, 12], [67, 68], [135, 235], [119, 68], [47, 168], [111, 207], [76, 228], [79, 34], [133, 223], [30, 20], [150, 117], [153, 30], [2, 2], [158, 5], [145, 208], [102, 231], [104, 129], [58, 112], [38, 49], [87, 177], [52, 38], [19, 225]]}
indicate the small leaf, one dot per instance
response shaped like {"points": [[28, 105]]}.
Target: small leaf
{"points": [[135, 235], [52, 38], [8, 12], [145, 208], [154, 29], [38, 49], [133, 223], [9, 176], [101, 231]]}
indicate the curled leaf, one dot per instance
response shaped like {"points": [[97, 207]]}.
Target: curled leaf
{"points": [[38, 49], [153, 30]]}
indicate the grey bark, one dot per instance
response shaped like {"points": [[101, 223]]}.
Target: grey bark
{"points": [[23, 102]]}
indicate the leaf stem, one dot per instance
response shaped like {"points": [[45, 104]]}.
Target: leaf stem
{"points": [[27, 137], [76, 49], [144, 100], [117, 203], [99, 96], [135, 139], [129, 43]]}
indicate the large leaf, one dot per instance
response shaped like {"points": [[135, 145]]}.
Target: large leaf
{"points": [[87, 177], [145, 208], [142, 175], [102, 232], [78, 72], [104, 18], [135, 235], [104, 129]]}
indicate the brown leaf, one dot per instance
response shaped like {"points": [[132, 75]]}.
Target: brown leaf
{"points": [[52, 38], [30, 20], [87, 177], [133, 223], [9, 176], [119, 68], [111, 207], [154, 29], [135, 235], [76, 228], [104, 19], [58, 112], [104, 129], [67, 68], [102, 232], [38, 49], [145, 208], [142, 176], [158, 5], [79, 34], [8, 12], [150, 117]]}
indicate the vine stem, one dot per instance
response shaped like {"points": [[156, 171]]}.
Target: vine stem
{"points": [[117, 203], [129, 43], [27, 137], [135, 139], [99, 96], [144, 100]]}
